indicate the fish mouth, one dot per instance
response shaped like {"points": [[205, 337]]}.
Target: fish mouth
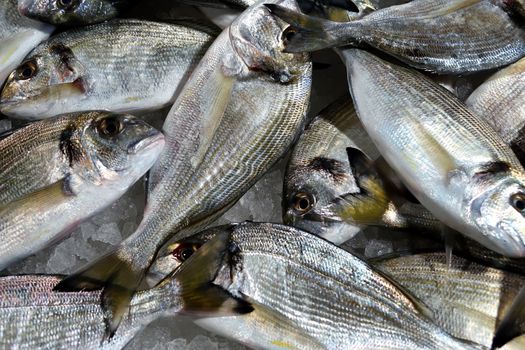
{"points": [[147, 143]]}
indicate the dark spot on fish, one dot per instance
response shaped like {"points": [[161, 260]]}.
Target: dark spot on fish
{"points": [[69, 147], [518, 146], [492, 168], [454, 55], [332, 167], [481, 55]]}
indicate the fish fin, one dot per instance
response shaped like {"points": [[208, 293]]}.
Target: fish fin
{"points": [[306, 33], [449, 237], [360, 164], [416, 302], [513, 323], [118, 281], [196, 275]]}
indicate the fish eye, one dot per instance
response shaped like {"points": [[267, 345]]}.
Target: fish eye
{"points": [[303, 202], [66, 4], [517, 200], [288, 34], [26, 71], [109, 127], [183, 251]]}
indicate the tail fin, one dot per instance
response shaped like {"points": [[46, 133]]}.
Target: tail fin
{"points": [[306, 33], [118, 279], [513, 322]]}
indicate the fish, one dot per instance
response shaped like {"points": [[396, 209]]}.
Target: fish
{"points": [[33, 315], [307, 293], [452, 161], [443, 36], [237, 115], [86, 162], [123, 65], [71, 12], [467, 299], [18, 36], [500, 101], [335, 194]]}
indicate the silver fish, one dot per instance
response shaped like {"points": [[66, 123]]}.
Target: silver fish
{"points": [[121, 66], [309, 294], [18, 36], [452, 161], [80, 163], [71, 12], [443, 36], [32, 315], [239, 112], [467, 299], [333, 190], [500, 101]]}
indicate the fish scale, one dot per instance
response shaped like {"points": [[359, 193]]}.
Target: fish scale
{"points": [[32, 315], [127, 65], [467, 298], [322, 296], [499, 101], [238, 113], [429, 137]]}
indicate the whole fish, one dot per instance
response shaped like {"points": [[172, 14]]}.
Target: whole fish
{"points": [[453, 162], [500, 101], [309, 294], [121, 65], [92, 158], [467, 299], [443, 36], [32, 315], [239, 112], [18, 36], [71, 12], [333, 190]]}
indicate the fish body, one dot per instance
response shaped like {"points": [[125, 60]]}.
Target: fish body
{"points": [[239, 112], [18, 36], [121, 65], [309, 294], [467, 299], [453, 162], [500, 101], [444, 36], [335, 195], [75, 166]]}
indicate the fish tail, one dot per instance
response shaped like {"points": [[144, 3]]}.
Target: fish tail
{"points": [[306, 33], [512, 324], [195, 281], [119, 281]]}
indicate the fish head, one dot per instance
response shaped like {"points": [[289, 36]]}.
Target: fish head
{"points": [[499, 213], [69, 12], [259, 39], [44, 83], [310, 192], [120, 145]]}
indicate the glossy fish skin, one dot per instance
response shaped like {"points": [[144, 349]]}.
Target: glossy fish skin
{"points": [[121, 65], [500, 101], [79, 12], [453, 162], [240, 111], [92, 159], [309, 294], [18, 36], [328, 194], [442, 36], [467, 299]]}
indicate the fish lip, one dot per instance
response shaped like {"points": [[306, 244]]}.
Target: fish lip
{"points": [[147, 143]]}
